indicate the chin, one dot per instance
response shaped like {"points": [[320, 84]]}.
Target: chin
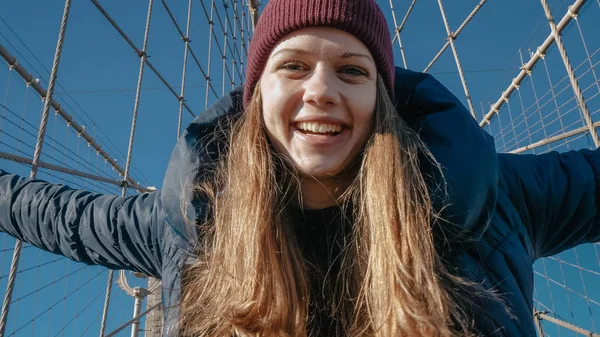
{"points": [[319, 171]]}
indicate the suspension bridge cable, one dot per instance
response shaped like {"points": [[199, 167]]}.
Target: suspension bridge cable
{"points": [[139, 52], [211, 29], [35, 161], [221, 50], [12, 61], [455, 35], [574, 82], [142, 55], [79, 313], [55, 304], [451, 39], [235, 50], [38, 266], [541, 50], [186, 39], [398, 29], [184, 71], [105, 138], [83, 333]]}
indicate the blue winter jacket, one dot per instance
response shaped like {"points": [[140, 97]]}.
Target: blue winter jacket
{"points": [[505, 210]]}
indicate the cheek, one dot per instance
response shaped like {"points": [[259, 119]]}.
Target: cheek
{"points": [[364, 116]]}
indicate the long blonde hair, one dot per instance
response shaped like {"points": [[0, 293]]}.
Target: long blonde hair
{"points": [[251, 278]]}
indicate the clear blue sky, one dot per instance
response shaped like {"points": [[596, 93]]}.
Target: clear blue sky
{"points": [[99, 71]]}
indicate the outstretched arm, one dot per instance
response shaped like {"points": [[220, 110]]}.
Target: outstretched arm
{"points": [[112, 231], [557, 197]]}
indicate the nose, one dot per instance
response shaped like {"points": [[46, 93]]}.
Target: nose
{"points": [[321, 90]]}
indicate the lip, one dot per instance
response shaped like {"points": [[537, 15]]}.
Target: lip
{"points": [[320, 140], [322, 120]]}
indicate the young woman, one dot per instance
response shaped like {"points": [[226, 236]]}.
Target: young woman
{"points": [[333, 195]]}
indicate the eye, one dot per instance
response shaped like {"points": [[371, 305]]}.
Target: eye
{"points": [[293, 66], [353, 71]]}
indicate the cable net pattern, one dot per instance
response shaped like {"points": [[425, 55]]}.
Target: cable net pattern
{"points": [[133, 74]]}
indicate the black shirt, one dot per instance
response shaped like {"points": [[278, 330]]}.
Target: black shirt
{"points": [[322, 235]]}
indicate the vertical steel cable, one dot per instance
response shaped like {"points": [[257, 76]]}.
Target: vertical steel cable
{"points": [[557, 108], [240, 22], [211, 24], [455, 35], [224, 61], [184, 72], [535, 96], [142, 55], [587, 53], [36, 158], [398, 29], [451, 38], [574, 82], [6, 97]]}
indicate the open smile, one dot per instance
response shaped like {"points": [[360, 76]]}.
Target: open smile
{"points": [[319, 128]]}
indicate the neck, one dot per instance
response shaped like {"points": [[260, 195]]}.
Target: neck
{"points": [[323, 193]]}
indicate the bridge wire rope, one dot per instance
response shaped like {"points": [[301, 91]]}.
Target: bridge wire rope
{"points": [[398, 29], [554, 95], [12, 62], [551, 90], [5, 99], [143, 62], [234, 31], [587, 53], [104, 138], [67, 295], [222, 50], [211, 28], [455, 34], [237, 65], [99, 314], [574, 82], [36, 157], [223, 63], [541, 50], [239, 21], [451, 39], [190, 49], [139, 53], [536, 99], [585, 292], [184, 71]]}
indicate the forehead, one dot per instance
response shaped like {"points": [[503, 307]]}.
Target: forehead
{"points": [[320, 41]]}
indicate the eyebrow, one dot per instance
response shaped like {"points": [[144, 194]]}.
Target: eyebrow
{"points": [[345, 55]]}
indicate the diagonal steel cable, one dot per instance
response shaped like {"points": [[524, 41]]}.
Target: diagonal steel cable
{"points": [[455, 34], [143, 61], [104, 138], [184, 71], [35, 162], [56, 303], [138, 52], [28, 78], [574, 82], [541, 50], [451, 38], [398, 29], [187, 40]]}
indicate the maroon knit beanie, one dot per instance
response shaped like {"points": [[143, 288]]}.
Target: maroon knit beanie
{"points": [[361, 18]]}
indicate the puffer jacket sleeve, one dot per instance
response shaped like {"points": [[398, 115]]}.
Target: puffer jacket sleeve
{"points": [[467, 191], [556, 196], [112, 231]]}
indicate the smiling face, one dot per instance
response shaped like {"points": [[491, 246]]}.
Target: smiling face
{"points": [[318, 92]]}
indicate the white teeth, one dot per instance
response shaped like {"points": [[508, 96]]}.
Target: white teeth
{"points": [[318, 127]]}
